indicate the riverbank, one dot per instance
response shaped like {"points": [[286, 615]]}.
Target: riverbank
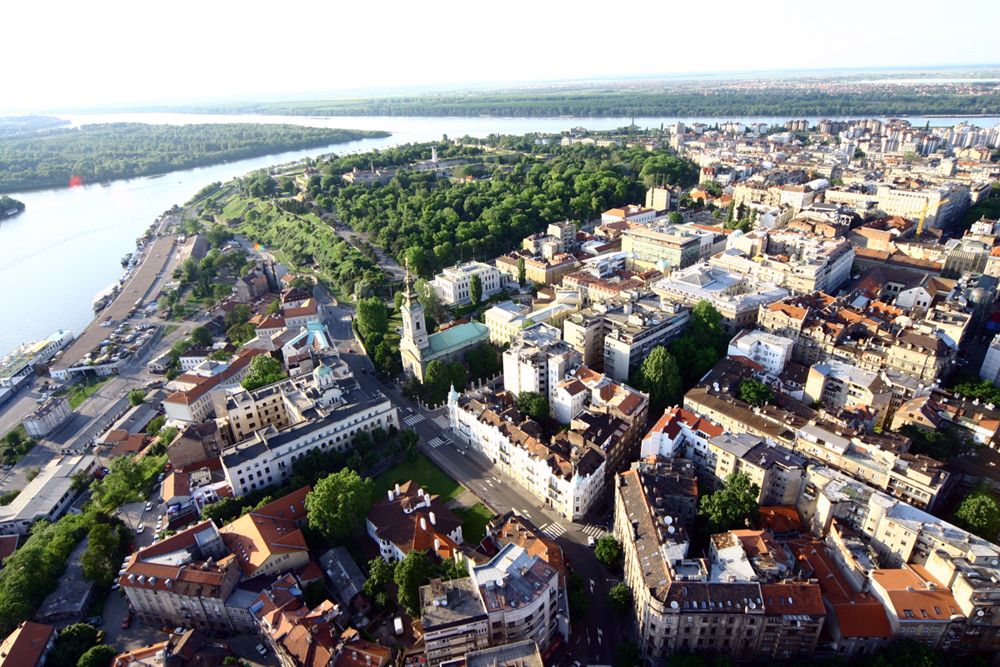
{"points": [[127, 150]]}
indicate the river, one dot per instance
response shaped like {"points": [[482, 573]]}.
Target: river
{"points": [[67, 244]]}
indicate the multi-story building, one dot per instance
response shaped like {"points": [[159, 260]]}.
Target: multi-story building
{"points": [[664, 249], [537, 360], [46, 418], [632, 331], [506, 320], [454, 284], [183, 580], [799, 262], [410, 519], [938, 205], [990, 370], [454, 620], [630, 213], [769, 350], [737, 298], [28, 645], [48, 495], [680, 606], [268, 540], [919, 607], [566, 472], [339, 410], [193, 401], [844, 386]]}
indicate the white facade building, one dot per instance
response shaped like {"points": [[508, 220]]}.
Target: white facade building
{"points": [[454, 284], [537, 360], [769, 350]]}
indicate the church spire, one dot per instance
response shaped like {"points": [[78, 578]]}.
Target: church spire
{"points": [[409, 294]]}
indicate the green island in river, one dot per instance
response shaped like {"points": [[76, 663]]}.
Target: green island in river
{"points": [[106, 152]]}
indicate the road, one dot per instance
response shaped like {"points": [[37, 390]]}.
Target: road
{"points": [[593, 638]]}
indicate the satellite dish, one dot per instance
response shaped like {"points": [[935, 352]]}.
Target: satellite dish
{"points": [[674, 605]]}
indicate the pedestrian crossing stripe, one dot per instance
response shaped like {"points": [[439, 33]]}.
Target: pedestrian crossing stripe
{"points": [[436, 442], [443, 421], [553, 530], [593, 531], [413, 419]]}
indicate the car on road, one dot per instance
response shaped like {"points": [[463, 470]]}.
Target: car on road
{"points": [[140, 529], [127, 621], [149, 507], [179, 630], [8, 466], [260, 649], [591, 542], [96, 621]]}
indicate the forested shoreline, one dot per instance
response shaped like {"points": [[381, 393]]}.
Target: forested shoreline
{"points": [[642, 103], [112, 151]]}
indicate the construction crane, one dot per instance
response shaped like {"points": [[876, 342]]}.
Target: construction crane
{"points": [[923, 214]]}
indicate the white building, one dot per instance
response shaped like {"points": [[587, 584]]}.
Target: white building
{"points": [[537, 360], [48, 417], [47, 496], [454, 284], [266, 457], [991, 364], [769, 350]]}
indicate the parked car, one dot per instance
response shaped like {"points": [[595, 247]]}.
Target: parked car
{"points": [[260, 649], [149, 507], [140, 529], [127, 621], [591, 542]]}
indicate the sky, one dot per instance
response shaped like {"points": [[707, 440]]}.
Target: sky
{"points": [[60, 55]]}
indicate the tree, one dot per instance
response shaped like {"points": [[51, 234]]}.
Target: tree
{"points": [[620, 597], [201, 337], [408, 441], [238, 315], [533, 405], [608, 550], [755, 393], [483, 361], [675, 218], [101, 558], [659, 377], [380, 575], [241, 333], [137, 397], [476, 289], [73, 641], [338, 504], [980, 513], [167, 434], [411, 573], [263, 370], [223, 510], [98, 656], [706, 327], [732, 506], [628, 654], [274, 307], [522, 278], [371, 318]]}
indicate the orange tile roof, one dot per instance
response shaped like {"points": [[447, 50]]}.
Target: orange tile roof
{"points": [[916, 595], [267, 531], [26, 645], [206, 384], [792, 598]]}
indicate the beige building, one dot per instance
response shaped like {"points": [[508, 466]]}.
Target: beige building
{"points": [[454, 620], [665, 248]]}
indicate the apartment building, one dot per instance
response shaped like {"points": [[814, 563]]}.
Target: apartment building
{"points": [[506, 320], [454, 619], [633, 331], [537, 360], [798, 262], [663, 248], [268, 540], [840, 386], [538, 269], [738, 298], [566, 472], [680, 606], [919, 607], [183, 580], [769, 350], [632, 213], [192, 402], [453, 285], [938, 205]]}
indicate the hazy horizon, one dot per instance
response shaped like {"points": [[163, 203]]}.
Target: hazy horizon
{"points": [[74, 55]]}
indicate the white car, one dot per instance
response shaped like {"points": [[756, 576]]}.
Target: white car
{"points": [[260, 649], [591, 542], [149, 507], [140, 529]]}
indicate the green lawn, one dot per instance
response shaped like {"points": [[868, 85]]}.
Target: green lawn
{"points": [[83, 390], [474, 520], [422, 471]]}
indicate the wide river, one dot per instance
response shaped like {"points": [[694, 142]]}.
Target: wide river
{"points": [[68, 243]]}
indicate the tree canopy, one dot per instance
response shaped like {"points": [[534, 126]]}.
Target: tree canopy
{"points": [[101, 558], [338, 504], [263, 370], [659, 377], [533, 405], [608, 550], [73, 641], [411, 573], [755, 393], [979, 512], [371, 318], [732, 506]]}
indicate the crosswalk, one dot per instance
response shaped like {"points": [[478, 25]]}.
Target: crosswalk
{"points": [[413, 419], [592, 530], [553, 530], [435, 442], [443, 421]]}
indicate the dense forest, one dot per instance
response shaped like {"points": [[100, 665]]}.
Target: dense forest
{"points": [[10, 206], [126, 150], [647, 102], [434, 221]]}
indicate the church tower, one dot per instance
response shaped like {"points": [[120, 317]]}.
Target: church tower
{"points": [[414, 337]]}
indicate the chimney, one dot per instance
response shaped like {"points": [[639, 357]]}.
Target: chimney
{"points": [[433, 519], [423, 523], [437, 544], [392, 496], [397, 487]]}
